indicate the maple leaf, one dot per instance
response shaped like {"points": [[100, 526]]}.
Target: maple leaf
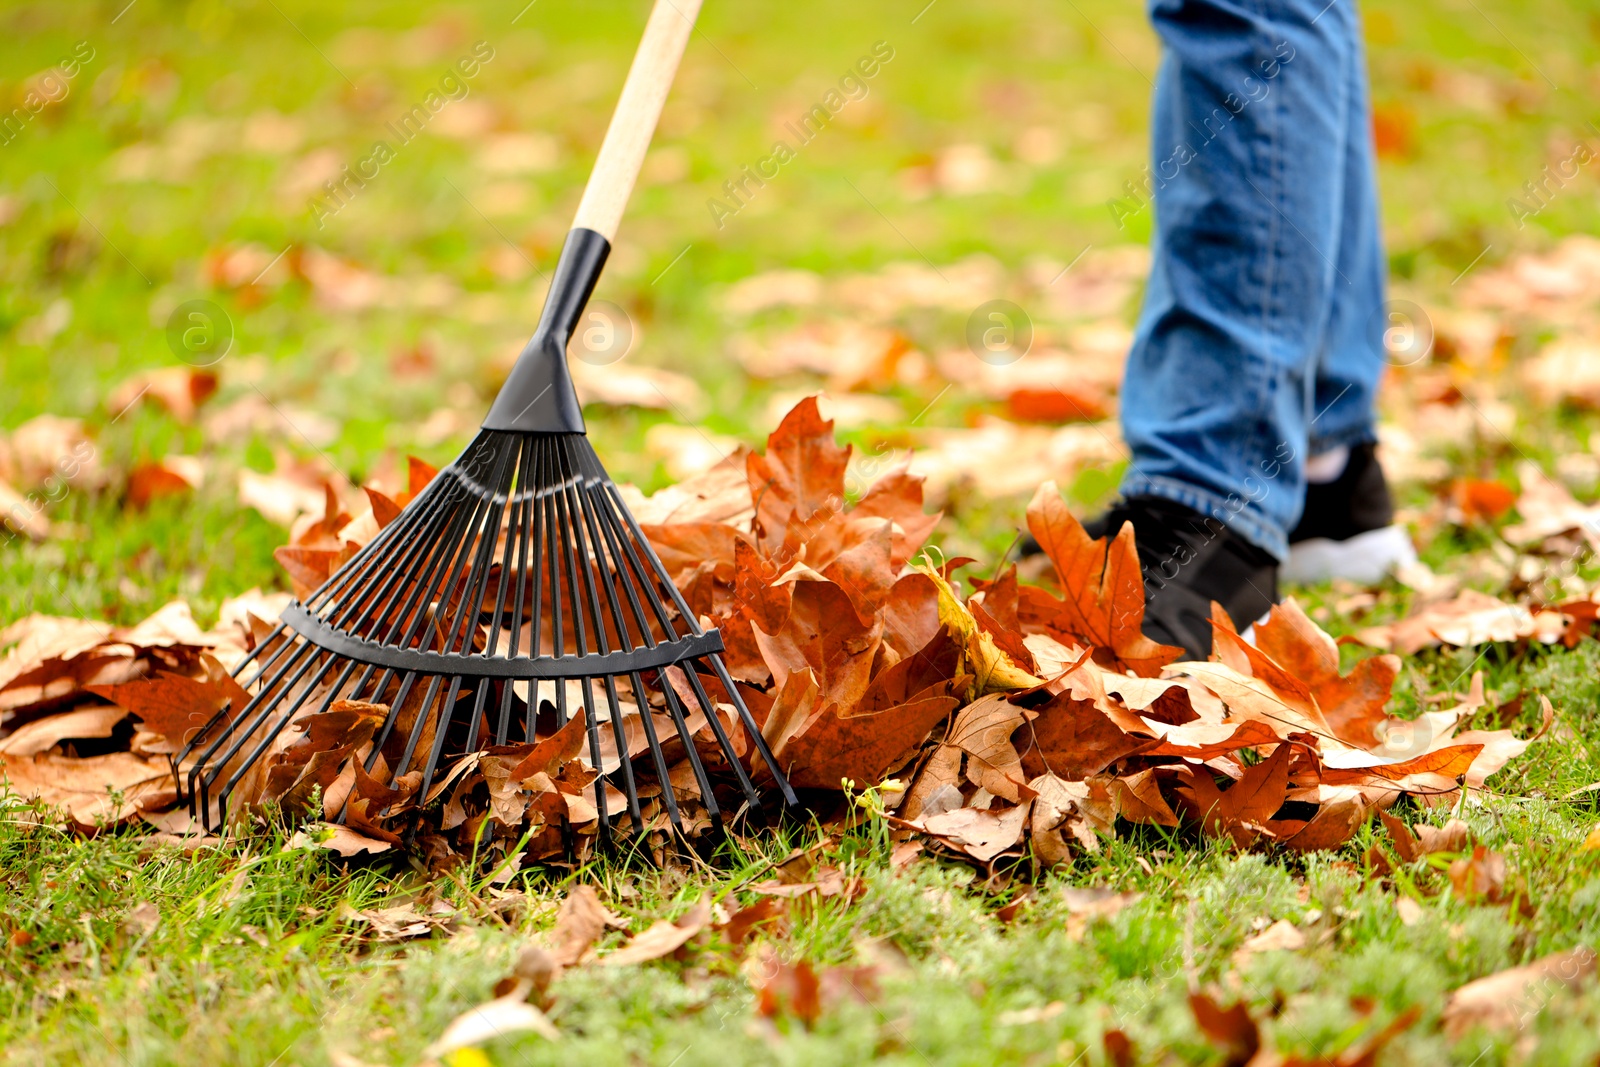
{"points": [[1351, 704], [898, 497], [822, 633], [1103, 606], [1244, 808], [174, 706], [800, 478], [1073, 739], [863, 747], [995, 610]]}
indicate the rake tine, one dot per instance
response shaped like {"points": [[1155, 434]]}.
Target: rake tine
{"points": [[406, 684], [630, 787], [640, 574], [438, 737], [265, 743], [471, 606], [659, 571], [520, 516], [657, 756], [679, 719], [752, 729], [356, 571], [715, 721], [434, 682], [261, 701]]}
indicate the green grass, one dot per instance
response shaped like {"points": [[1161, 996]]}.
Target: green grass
{"points": [[1489, 91]]}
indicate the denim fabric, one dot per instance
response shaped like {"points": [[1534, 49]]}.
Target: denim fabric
{"points": [[1261, 336]]}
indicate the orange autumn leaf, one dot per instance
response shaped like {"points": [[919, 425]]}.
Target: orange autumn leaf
{"points": [[1104, 602], [175, 706], [1481, 501], [1351, 704], [861, 747], [1057, 405], [800, 478]]}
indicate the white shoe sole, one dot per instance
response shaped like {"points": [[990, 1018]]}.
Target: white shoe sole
{"points": [[1366, 558]]}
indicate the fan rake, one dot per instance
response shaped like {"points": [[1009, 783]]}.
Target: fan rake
{"points": [[516, 591]]}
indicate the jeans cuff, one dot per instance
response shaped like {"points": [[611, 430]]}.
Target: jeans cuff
{"points": [[1239, 516], [1364, 434]]}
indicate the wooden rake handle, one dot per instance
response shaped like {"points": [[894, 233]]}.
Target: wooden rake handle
{"points": [[634, 121]]}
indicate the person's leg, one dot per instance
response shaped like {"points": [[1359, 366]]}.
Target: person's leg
{"points": [[1346, 529], [1250, 125], [1352, 357]]}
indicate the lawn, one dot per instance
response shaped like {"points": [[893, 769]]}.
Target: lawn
{"points": [[183, 153]]}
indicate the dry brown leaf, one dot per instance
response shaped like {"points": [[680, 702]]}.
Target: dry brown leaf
{"points": [[1104, 602], [1230, 1029], [1505, 1000], [1281, 936], [336, 838], [41, 735], [88, 789], [983, 835], [181, 390], [496, 1018], [1548, 510], [1470, 618], [579, 924], [663, 937]]}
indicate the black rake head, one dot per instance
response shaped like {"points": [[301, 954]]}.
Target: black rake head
{"points": [[514, 593]]}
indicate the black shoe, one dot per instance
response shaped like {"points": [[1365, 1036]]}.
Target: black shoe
{"points": [[1347, 529], [1188, 560]]}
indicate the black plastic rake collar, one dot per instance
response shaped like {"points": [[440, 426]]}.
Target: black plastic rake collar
{"points": [[517, 668], [538, 396]]}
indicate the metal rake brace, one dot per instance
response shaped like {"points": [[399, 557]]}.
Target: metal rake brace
{"points": [[516, 587]]}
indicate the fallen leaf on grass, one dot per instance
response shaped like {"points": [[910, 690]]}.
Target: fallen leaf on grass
{"points": [[1238, 1037], [663, 937], [1119, 1048], [1482, 878], [1470, 618], [1281, 936], [1104, 602], [496, 1018], [181, 390], [1243, 810], [579, 924], [1477, 500], [1548, 510], [401, 922], [1506, 1000], [1424, 840], [171, 476], [983, 835], [1230, 1029], [142, 920], [41, 735], [1031, 1016], [825, 881], [744, 923], [19, 513], [335, 838], [1089, 905], [94, 791], [797, 989]]}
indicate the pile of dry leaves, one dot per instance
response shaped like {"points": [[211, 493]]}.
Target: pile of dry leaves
{"points": [[1012, 719]]}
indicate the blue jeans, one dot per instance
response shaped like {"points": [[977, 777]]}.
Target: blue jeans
{"points": [[1261, 337]]}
